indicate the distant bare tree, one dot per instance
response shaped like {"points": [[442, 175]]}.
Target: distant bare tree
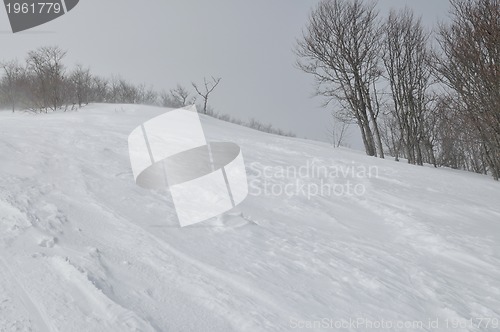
{"points": [[99, 89], [340, 48], [176, 98], [128, 93], [114, 90], [181, 94], [391, 135], [46, 65], [146, 96], [81, 81], [208, 88], [338, 130], [166, 100], [11, 85]]}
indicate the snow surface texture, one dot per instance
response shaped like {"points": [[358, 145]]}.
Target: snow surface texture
{"points": [[83, 248]]}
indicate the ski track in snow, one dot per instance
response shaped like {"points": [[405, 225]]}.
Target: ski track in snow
{"points": [[82, 248]]}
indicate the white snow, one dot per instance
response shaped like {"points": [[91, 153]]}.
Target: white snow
{"points": [[82, 248]]}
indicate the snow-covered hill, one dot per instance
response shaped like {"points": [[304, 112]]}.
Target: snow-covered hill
{"points": [[82, 248]]}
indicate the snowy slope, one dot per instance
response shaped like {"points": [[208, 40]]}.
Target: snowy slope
{"points": [[82, 248]]}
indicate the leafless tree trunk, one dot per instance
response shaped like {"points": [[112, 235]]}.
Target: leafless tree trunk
{"points": [[340, 48], [147, 96], [11, 82], [208, 88], [99, 89], [176, 98], [46, 64], [338, 130], [470, 66], [81, 79], [181, 94], [391, 136], [405, 57]]}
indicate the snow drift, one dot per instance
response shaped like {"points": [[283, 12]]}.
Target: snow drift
{"points": [[83, 248]]}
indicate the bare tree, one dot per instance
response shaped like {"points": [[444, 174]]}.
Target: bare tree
{"points": [[166, 100], [391, 135], [11, 85], [406, 60], [114, 90], [338, 130], [340, 48], [181, 94], [46, 64], [470, 67], [208, 88], [146, 96], [176, 98], [81, 81], [128, 93], [99, 89]]}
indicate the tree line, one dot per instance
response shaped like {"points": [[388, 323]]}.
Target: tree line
{"points": [[427, 96], [42, 83]]}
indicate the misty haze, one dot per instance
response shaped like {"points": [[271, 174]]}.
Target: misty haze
{"points": [[269, 165]]}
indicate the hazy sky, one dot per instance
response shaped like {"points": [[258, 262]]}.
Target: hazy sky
{"points": [[161, 43]]}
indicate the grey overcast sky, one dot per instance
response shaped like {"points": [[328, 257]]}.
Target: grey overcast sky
{"points": [[164, 42]]}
